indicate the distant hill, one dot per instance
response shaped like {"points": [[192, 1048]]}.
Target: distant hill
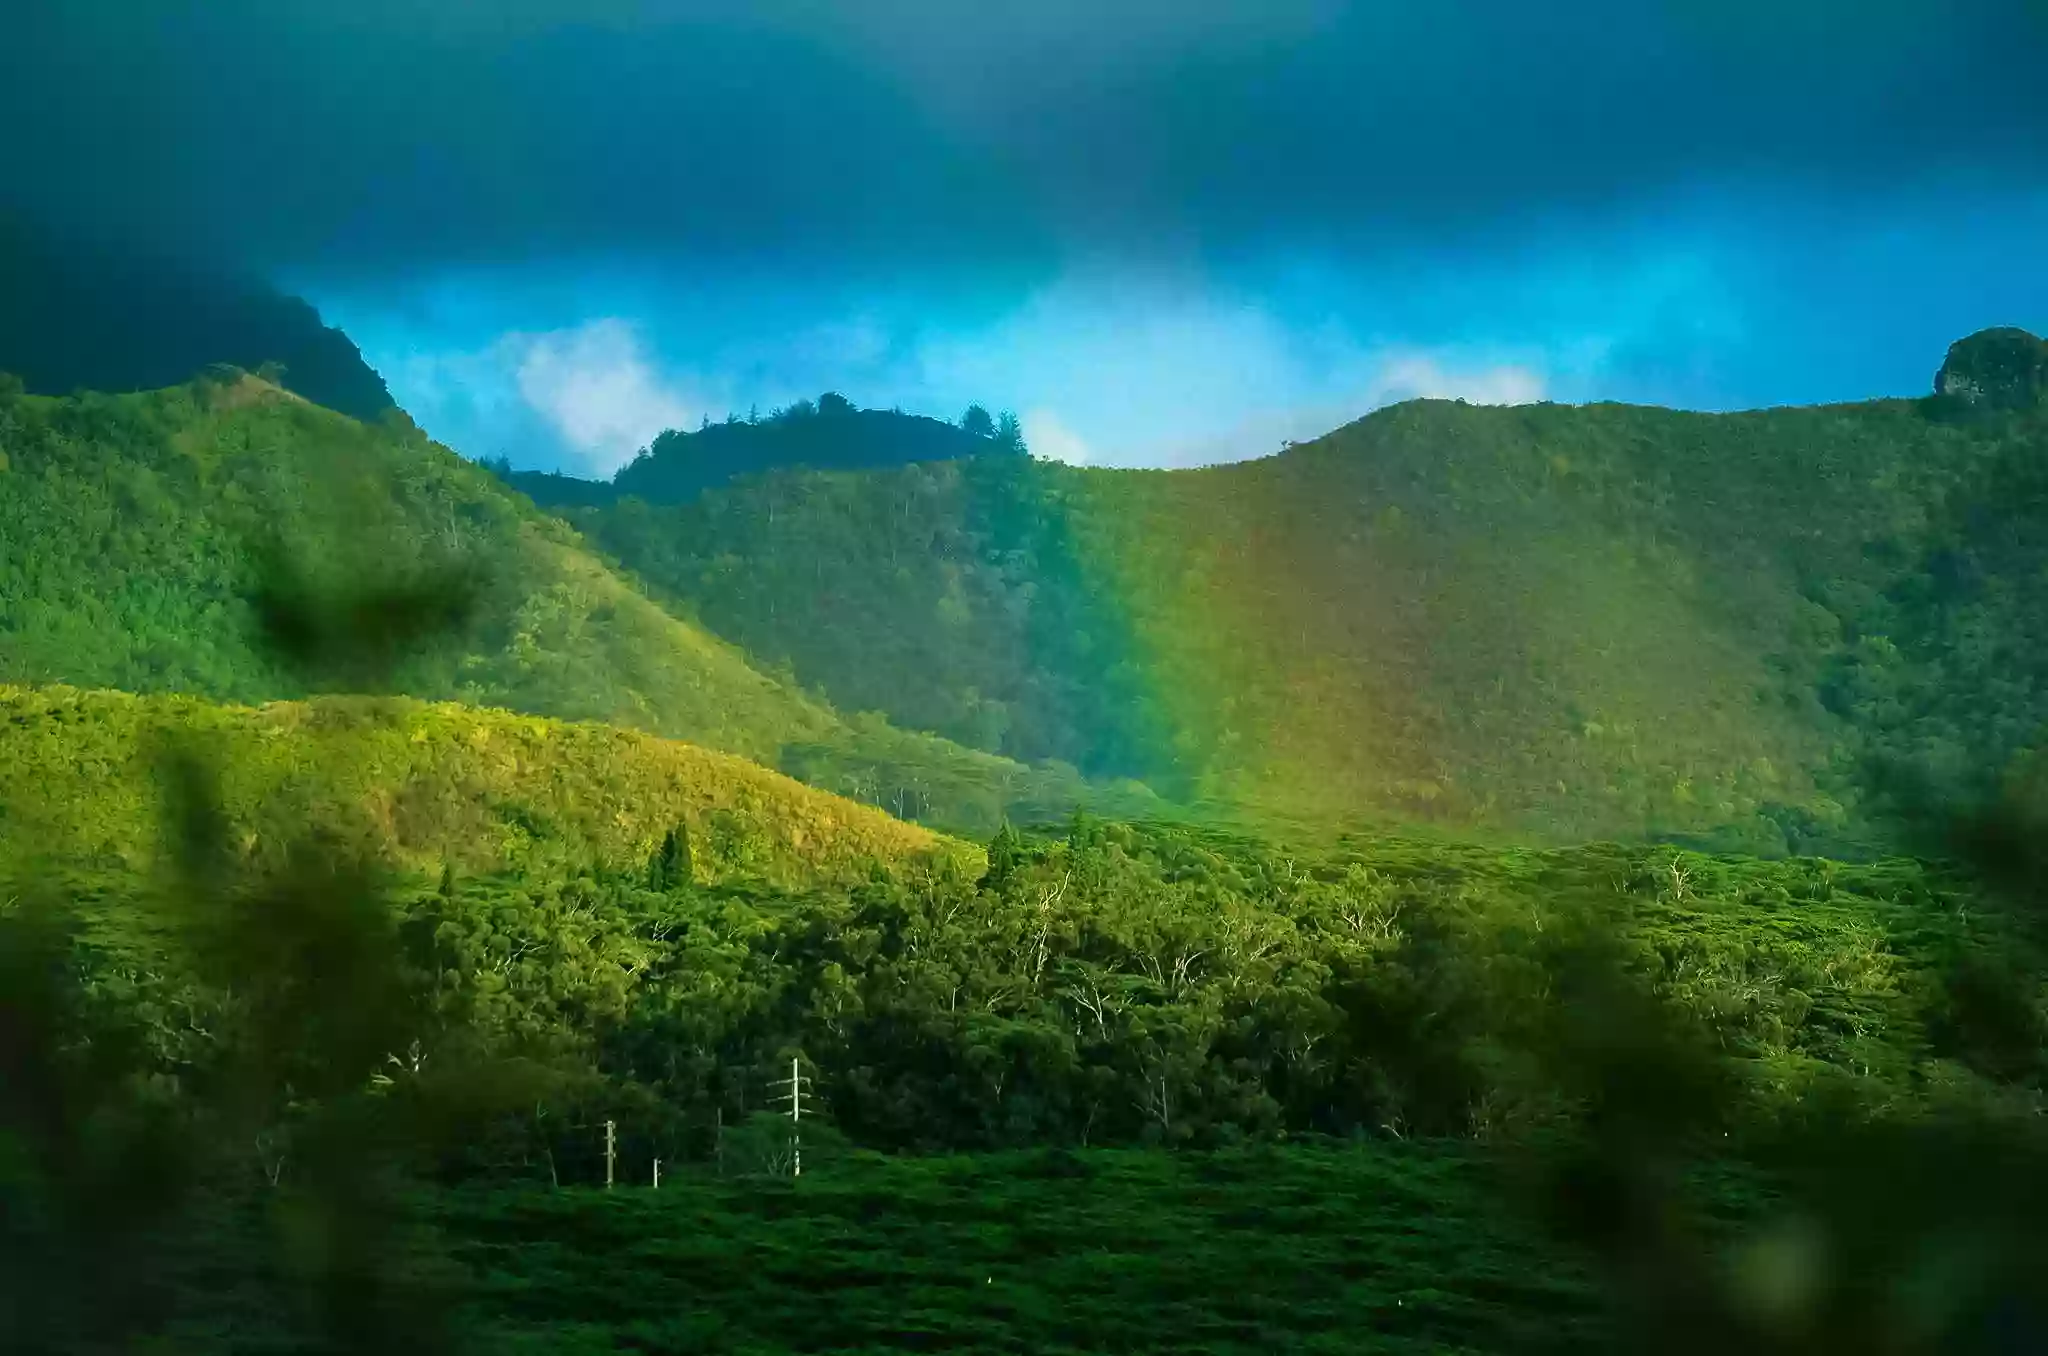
{"points": [[1568, 622], [75, 317], [424, 785], [130, 533], [828, 434]]}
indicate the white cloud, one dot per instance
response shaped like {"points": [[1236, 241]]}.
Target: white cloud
{"points": [[1050, 439], [1111, 365], [1419, 376], [596, 387], [1369, 383], [1130, 369]]}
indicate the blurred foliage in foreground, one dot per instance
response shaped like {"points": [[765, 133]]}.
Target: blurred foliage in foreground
{"points": [[1595, 1023]]}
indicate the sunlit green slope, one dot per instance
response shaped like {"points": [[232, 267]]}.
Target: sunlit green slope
{"points": [[131, 531], [1568, 622], [83, 777]]}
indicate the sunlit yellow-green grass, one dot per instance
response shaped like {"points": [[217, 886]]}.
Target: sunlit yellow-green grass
{"points": [[81, 780], [126, 561]]}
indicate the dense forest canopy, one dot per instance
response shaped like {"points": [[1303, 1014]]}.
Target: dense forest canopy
{"points": [[2004, 368], [829, 433]]}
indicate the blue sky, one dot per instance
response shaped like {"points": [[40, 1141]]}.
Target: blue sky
{"points": [[1164, 231], [1705, 305]]}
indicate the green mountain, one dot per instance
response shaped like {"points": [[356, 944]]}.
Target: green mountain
{"points": [[1563, 622], [828, 434], [1547, 622], [134, 533], [594, 953], [79, 317]]}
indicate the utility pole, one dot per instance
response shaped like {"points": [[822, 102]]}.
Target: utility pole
{"points": [[795, 1097], [611, 1151]]}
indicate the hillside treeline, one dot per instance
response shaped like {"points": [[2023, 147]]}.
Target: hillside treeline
{"points": [[829, 433], [1134, 985]]}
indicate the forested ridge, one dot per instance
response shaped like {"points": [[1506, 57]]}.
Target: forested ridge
{"points": [[1555, 622], [829, 433]]}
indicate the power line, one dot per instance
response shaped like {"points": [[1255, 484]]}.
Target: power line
{"points": [[794, 1095]]}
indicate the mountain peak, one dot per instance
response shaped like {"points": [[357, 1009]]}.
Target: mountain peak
{"points": [[2004, 368], [831, 434]]}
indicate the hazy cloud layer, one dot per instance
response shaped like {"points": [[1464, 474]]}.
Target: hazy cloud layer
{"points": [[1165, 231], [595, 386], [1104, 369], [1716, 303], [397, 133]]}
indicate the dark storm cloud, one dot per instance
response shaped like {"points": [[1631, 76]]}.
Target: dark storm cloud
{"points": [[385, 135]]}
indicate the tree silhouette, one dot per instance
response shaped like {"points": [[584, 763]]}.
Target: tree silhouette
{"points": [[1010, 433]]}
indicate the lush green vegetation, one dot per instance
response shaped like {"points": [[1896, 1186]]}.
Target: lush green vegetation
{"points": [[133, 531], [950, 596], [316, 1015], [136, 526], [1605, 621], [826, 434], [1427, 1008], [1386, 1248], [1145, 986], [1995, 369], [1545, 623], [420, 787], [1608, 1093]]}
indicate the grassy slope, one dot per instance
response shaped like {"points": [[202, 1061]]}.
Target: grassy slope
{"points": [[1398, 1248], [1577, 621], [1564, 622], [428, 784], [124, 566], [124, 563]]}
